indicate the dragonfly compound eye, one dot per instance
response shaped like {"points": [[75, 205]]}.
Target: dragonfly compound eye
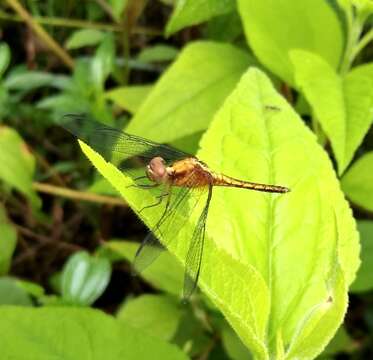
{"points": [[156, 170]]}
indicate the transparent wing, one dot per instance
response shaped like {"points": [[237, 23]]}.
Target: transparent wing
{"points": [[181, 204], [172, 217], [125, 151], [195, 252]]}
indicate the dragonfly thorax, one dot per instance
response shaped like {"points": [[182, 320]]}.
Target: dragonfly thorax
{"points": [[157, 170]]}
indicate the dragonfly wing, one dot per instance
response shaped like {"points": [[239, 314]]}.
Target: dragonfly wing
{"points": [[181, 203], [125, 151], [103, 136], [151, 247], [147, 252], [195, 251]]}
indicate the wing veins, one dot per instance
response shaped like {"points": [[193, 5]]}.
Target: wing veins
{"points": [[195, 251]]}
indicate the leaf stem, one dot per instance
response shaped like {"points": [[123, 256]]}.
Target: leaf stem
{"points": [[355, 28], [41, 33], [365, 40], [77, 195]]}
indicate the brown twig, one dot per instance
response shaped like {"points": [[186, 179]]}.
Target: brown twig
{"points": [[77, 23], [77, 195], [41, 33]]}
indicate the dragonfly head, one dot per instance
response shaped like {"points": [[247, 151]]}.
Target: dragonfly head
{"points": [[157, 170]]}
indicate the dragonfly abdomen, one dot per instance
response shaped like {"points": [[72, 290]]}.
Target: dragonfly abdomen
{"points": [[223, 180]]}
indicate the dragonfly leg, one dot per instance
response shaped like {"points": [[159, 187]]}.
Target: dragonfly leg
{"points": [[160, 199], [142, 186], [145, 186]]}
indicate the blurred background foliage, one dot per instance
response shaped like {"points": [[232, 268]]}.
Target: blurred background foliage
{"points": [[66, 238]]}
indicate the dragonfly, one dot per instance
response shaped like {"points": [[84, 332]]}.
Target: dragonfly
{"points": [[180, 181]]}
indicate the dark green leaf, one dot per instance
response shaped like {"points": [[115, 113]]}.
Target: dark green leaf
{"points": [[31, 288], [364, 278], [117, 7], [226, 27], [157, 315], [68, 333], [357, 183], [158, 53], [187, 96], [103, 62], [233, 345], [84, 37], [192, 12], [4, 57], [165, 273], [13, 294], [129, 98], [17, 164], [8, 241], [30, 80], [341, 342]]}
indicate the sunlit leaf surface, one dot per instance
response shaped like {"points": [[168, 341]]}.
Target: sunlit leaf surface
{"points": [[277, 266]]}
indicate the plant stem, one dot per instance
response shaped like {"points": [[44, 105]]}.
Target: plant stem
{"points": [[77, 195], [77, 23], [41, 33], [356, 23], [365, 40]]}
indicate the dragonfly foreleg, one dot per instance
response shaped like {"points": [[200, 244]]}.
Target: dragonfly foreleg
{"points": [[142, 186], [160, 199]]}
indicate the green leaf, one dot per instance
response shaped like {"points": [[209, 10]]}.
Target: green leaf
{"points": [[192, 12], [17, 164], [233, 345], [117, 7], [102, 186], [269, 261], [4, 57], [341, 342], [84, 278], [8, 241], [157, 315], [186, 97], [30, 80], [271, 146], [225, 27], [129, 98], [158, 53], [364, 7], [31, 288], [13, 294], [364, 278], [357, 183], [342, 105], [165, 273], [306, 23], [103, 62], [84, 37], [320, 323], [228, 287], [191, 335], [68, 333]]}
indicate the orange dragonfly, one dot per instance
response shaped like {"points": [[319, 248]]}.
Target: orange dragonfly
{"points": [[179, 180]]}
